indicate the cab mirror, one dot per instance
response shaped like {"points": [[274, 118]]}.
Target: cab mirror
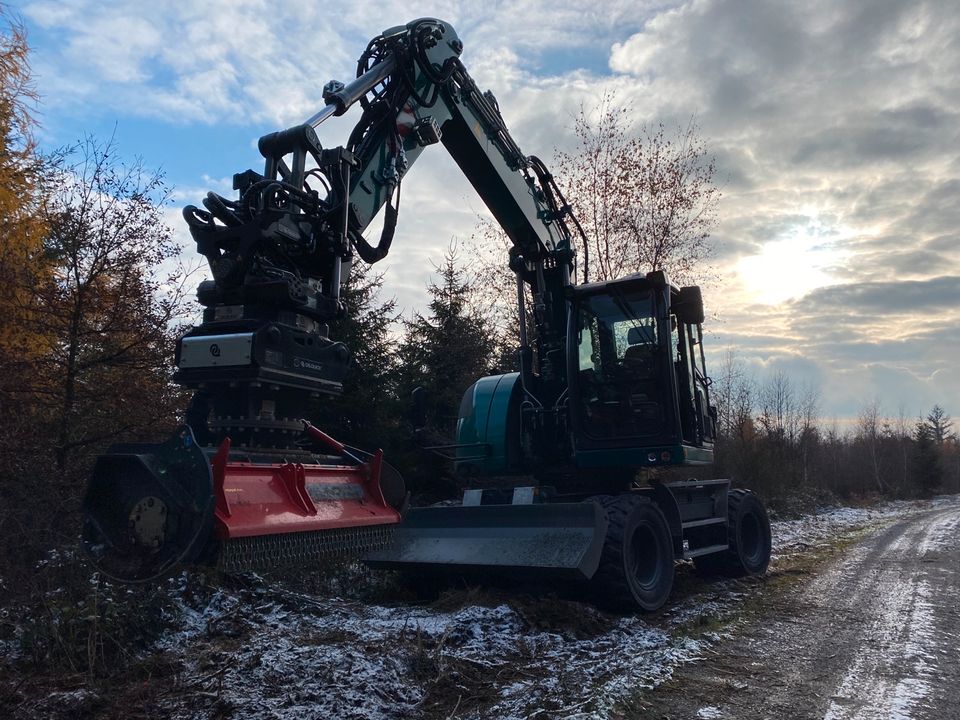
{"points": [[418, 408], [689, 306]]}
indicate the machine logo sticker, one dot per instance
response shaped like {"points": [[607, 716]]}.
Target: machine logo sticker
{"points": [[307, 365], [215, 350]]}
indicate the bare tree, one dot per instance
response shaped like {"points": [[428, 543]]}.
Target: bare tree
{"points": [[869, 434], [809, 433], [722, 392], [733, 391], [108, 302], [494, 286], [902, 432], [646, 200], [644, 197], [778, 410]]}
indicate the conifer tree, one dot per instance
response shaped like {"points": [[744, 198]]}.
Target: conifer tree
{"points": [[365, 414], [22, 261], [448, 349], [927, 471], [940, 424]]}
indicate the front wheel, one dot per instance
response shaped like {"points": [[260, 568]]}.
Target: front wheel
{"points": [[636, 565]]}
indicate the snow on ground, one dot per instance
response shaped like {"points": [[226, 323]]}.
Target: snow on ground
{"points": [[299, 657], [789, 538], [898, 668], [263, 651], [817, 530]]}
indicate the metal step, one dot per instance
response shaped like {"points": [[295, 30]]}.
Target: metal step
{"points": [[704, 551], [703, 523]]}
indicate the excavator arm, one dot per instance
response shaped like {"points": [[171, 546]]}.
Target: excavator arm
{"points": [[301, 222]]}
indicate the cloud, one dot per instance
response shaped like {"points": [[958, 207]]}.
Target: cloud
{"points": [[246, 60], [890, 298], [184, 61], [835, 127]]}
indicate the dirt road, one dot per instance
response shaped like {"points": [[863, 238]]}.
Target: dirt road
{"points": [[875, 634]]}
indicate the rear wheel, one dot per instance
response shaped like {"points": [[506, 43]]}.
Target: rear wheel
{"points": [[748, 534], [636, 565]]}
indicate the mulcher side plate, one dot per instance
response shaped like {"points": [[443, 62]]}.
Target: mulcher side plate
{"points": [[148, 508]]}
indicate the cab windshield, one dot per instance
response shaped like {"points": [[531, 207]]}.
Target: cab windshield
{"points": [[619, 362]]}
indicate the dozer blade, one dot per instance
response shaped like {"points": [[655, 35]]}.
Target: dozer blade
{"points": [[563, 540]]}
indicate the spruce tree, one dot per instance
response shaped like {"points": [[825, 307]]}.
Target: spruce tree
{"points": [[927, 471], [444, 352], [940, 424], [447, 350], [365, 414]]}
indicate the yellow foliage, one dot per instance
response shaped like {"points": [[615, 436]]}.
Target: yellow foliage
{"points": [[22, 263]]}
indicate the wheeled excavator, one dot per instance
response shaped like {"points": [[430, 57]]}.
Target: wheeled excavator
{"points": [[611, 382]]}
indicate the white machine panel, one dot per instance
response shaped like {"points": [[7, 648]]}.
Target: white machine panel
{"points": [[216, 350]]}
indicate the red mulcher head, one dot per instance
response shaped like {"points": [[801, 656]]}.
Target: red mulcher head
{"points": [[151, 508]]}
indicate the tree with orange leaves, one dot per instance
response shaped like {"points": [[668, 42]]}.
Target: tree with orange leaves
{"points": [[22, 261]]}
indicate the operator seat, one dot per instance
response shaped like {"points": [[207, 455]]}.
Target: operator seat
{"points": [[640, 357], [640, 384]]}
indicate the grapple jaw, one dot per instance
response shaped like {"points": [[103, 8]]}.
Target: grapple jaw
{"points": [[150, 509]]}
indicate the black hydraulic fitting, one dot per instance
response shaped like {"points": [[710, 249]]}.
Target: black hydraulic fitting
{"points": [[280, 143]]}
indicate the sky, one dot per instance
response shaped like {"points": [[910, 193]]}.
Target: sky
{"points": [[835, 127]]}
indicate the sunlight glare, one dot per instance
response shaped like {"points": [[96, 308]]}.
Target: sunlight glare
{"points": [[789, 268]]}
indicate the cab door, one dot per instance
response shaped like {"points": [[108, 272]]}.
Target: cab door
{"points": [[693, 394], [621, 375]]}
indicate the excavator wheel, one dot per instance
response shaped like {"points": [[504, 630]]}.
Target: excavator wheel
{"points": [[748, 533], [636, 565]]}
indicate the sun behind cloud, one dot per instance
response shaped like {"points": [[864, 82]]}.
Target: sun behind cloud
{"points": [[791, 267]]}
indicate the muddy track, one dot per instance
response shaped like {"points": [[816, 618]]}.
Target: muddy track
{"points": [[874, 634]]}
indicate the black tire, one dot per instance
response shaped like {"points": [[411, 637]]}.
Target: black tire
{"points": [[636, 565], [748, 534]]}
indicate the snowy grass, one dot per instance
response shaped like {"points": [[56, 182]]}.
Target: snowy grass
{"points": [[294, 657], [822, 527], [252, 648], [471, 655]]}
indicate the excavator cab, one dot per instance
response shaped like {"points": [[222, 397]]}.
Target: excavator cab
{"points": [[635, 393], [639, 393], [620, 367]]}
